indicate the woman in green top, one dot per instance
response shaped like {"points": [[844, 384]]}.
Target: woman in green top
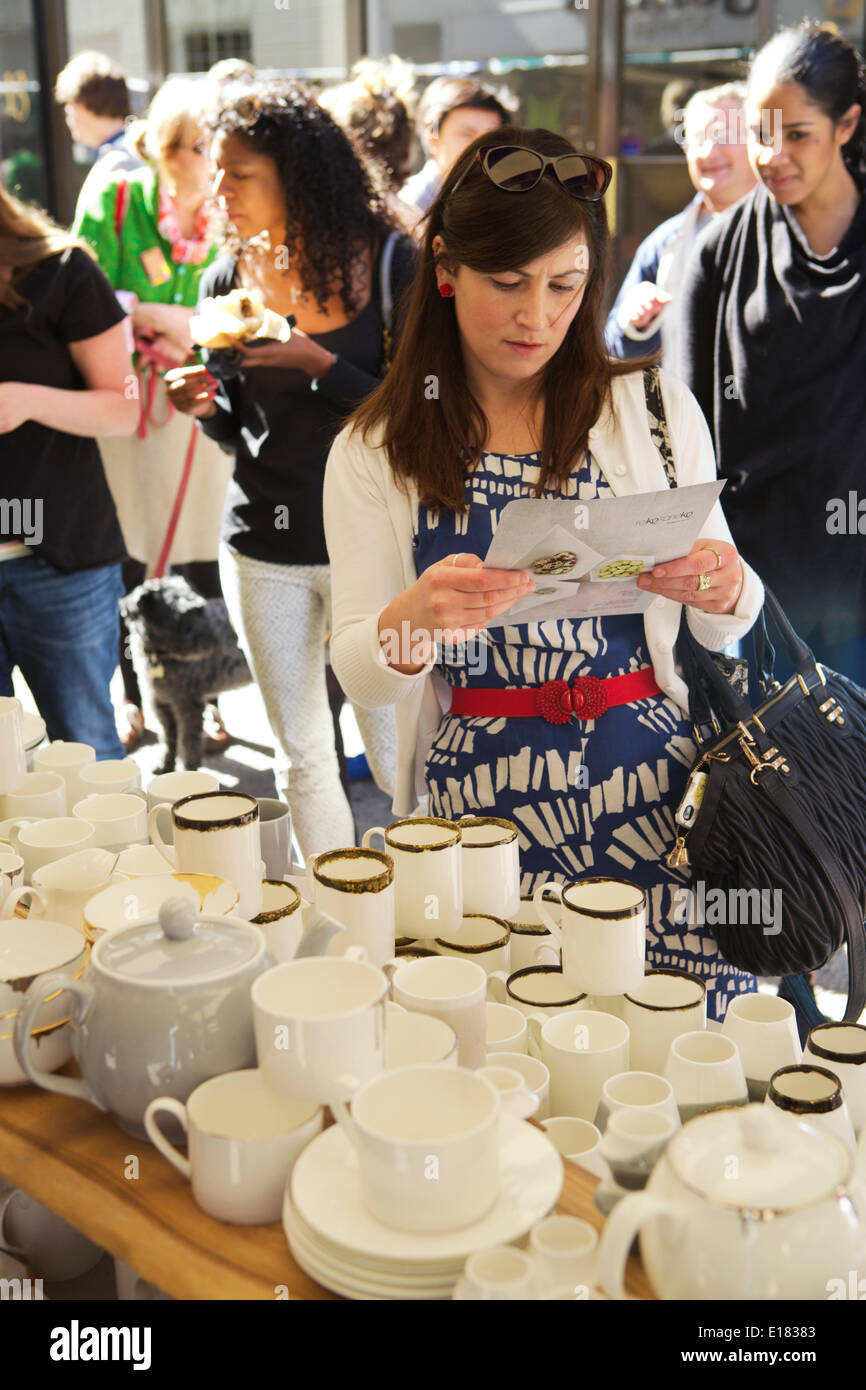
{"points": [[151, 234]]}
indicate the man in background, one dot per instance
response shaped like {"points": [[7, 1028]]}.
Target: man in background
{"points": [[452, 112], [93, 92]]}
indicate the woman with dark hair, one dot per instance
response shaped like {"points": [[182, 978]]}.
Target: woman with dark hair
{"points": [[506, 320], [775, 351], [375, 108], [310, 231], [65, 373]]}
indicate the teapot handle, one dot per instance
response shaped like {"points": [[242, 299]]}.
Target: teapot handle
{"points": [[39, 991], [623, 1224]]}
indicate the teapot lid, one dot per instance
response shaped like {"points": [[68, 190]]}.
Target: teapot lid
{"points": [[754, 1157], [181, 948]]}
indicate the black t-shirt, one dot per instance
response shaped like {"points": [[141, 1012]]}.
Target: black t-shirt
{"points": [[48, 471], [281, 430]]}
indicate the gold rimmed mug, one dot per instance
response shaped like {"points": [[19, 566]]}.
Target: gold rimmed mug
{"points": [[428, 880], [356, 887], [491, 865]]}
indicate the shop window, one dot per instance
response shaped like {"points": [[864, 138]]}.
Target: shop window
{"points": [[204, 47]]}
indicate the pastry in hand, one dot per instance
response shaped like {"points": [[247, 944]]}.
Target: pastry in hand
{"points": [[235, 318]]}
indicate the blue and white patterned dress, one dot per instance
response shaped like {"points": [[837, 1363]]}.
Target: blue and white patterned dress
{"points": [[589, 797]]}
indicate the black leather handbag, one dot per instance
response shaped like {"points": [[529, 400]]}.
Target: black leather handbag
{"points": [[776, 804]]}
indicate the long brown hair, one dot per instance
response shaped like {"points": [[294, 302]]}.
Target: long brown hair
{"points": [[433, 441], [27, 236]]}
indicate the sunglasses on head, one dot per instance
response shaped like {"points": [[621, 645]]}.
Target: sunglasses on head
{"points": [[516, 169]]}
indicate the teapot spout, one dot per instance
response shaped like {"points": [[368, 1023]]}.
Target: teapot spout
{"points": [[319, 931]]}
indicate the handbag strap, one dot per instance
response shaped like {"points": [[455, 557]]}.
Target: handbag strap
{"points": [[658, 422], [386, 296], [168, 540]]}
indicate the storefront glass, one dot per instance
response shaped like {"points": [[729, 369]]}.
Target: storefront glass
{"points": [[22, 136]]}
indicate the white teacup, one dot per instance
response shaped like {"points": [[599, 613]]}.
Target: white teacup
{"points": [[417, 1039], [356, 887], [168, 787], [539, 992], [664, 1005], [491, 865], [11, 876], [501, 1275], [275, 828], [69, 760], [582, 1048], [535, 1075], [318, 1021], [281, 919], [13, 758], [119, 819], [706, 1073], [244, 1139], [633, 1143], [110, 775], [450, 989], [507, 1028], [814, 1094], [61, 889], [764, 1027], [41, 842], [636, 1090], [46, 1243], [532, 943], [602, 934], [418, 1121], [577, 1140], [217, 833], [565, 1250], [39, 794], [481, 938], [841, 1048], [428, 876]]}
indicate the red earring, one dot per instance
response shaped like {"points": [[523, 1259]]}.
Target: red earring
{"points": [[446, 291]]}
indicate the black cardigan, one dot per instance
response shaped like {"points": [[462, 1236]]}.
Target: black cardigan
{"points": [[280, 425], [775, 351]]}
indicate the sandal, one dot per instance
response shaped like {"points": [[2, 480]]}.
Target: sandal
{"points": [[131, 736], [216, 736]]}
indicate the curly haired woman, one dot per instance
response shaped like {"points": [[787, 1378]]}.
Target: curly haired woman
{"points": [[311, 232]]}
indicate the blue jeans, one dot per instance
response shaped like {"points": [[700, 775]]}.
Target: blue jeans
{"points": [[61, 631]]}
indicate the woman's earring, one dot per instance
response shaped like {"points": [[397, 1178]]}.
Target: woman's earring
{"points": [[446, 291]]}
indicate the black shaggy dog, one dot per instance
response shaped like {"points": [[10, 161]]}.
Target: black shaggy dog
{"points": [[185, 652]]}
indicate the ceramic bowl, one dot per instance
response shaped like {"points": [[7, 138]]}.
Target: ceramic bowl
{"points": [[29, 949], [139, 900]]}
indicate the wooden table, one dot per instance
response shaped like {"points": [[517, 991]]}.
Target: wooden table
{"points": [[122, 1194]]}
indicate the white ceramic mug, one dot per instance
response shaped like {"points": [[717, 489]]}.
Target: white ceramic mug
{"points": [[814, 1094], [168, 787], [44, 1241], [532, 943], [427, 1141], [11, 876], [565, 1250], [110, 775], [414, 1039], [500, 1275], [636, 1090], [69, 760], [841, 1048], [356, 887], [450, 989], [507, 1028], [582, 1048], [319, 1020], [664, 1005], [243, 1141], [39, 794], [41, 842], [428, 874], [534, 1073], [764, 1027], [281, 919], [515, 1097], [539, 992], [706, 1073], [601, 932], [119, 819], [275, 827], [634, 1141], [577, 1140], [217, 833], [13, 758], [481, 938], [491, 865]]}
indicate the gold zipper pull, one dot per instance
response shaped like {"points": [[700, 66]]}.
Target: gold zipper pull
{"points": [[679, 855]]}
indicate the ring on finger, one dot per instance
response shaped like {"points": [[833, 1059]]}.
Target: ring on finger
{"points": [[703, 583], [719, 560]]}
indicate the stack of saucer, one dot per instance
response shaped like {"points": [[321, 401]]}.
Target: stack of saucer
{"points": [[340, 1244]]}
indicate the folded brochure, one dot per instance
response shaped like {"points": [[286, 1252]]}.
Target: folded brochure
{"points": [[585, 556]]}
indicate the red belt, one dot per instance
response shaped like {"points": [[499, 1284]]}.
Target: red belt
{"points": [[556, 701]]}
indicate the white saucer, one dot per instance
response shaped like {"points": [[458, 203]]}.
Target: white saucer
{"points": [[326, 1192], [33, 729], [346, 1269], [352, 1283]]}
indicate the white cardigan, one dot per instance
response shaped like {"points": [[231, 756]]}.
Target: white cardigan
{"points": [[370, 522]]}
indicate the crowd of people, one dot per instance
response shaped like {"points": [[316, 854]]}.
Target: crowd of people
{"points": [[333, 499]]}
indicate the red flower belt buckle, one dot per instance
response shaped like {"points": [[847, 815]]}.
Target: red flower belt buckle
{"points": [[557, 701]]}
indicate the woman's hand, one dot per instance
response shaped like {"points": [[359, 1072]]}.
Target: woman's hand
{"points": [[14, 403], [451, 602], [642, 303], [192, 390], [171, 319], [300, 352], [679, 579]]}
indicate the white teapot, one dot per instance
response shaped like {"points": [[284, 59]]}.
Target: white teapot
{"points": [[745, 1203]]}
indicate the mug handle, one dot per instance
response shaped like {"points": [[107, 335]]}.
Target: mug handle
{"points": [[534, 1024], [158, 1139], [538, 903], [355, 953], [15, 1251], [546, 955], [167, 851], [496, 986], [17, 894], [368, 835], [42, 987], [12, 831], [340, 1109], [621, 1227]]}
